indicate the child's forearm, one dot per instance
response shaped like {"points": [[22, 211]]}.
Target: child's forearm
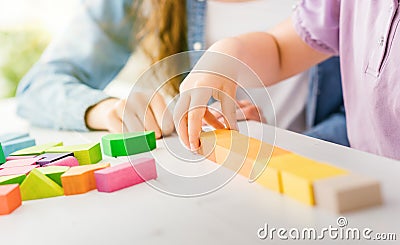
{"points": [[275, 55]]}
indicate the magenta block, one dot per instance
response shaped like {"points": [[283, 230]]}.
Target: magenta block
{"points": [[125, 175], [11, 158], [68, 161], [20, 162], [17, 170]]}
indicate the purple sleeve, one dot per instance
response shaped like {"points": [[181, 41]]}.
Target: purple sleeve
{"points": [[317, 23]]}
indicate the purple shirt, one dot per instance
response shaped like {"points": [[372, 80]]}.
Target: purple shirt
{"points": [[366, 36]]}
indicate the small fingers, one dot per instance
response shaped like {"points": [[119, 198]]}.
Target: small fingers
{"points": [[181, 119], [197, 110], [212, 119]]}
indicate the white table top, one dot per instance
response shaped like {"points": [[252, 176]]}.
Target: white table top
{"points": [[230, 215]]}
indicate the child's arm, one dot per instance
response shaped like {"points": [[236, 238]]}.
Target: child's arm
{"points": [[273, 56]]}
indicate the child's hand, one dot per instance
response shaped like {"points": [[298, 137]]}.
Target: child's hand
{"points": [[117, 115], [195, 92]]}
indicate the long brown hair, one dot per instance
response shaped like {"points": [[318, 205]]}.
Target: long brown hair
{"points": [[161, 24]]}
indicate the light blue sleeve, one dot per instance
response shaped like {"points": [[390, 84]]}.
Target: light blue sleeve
{"points": [[77, 65]]}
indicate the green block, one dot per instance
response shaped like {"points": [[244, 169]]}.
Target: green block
{"points": [[86, 153], [37, 185], [128, 144], [12, 179], [2, 157], [36, 150], [54, 172]]}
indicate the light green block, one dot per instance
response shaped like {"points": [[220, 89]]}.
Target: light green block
{"points": [[54, 172], [129, 143], [36, 150], [86, 153], [37, 186], [12, 179], [2, 157]]}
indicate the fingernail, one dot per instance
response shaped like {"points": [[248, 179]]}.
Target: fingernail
{"points": [[192, 147]]}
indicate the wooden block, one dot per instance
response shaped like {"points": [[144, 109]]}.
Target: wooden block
{"points": [[37, 186], [243, 154], [11, 158], [20, 163], [17, 170], [298, 175], [52, 157], [125, 175], [347, 193], [129, 143], [78, 180], [12, 179], [13, 136], [2, 156], [36, 150], [15, 141], [68, 162], [86, 153], [10, 198], [54, 172], [17, 144]]}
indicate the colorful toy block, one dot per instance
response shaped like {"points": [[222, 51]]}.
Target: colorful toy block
{"points": [[125, 175], [36, 150], [12, 179], [347, 193], [298, 179], [18, 144], [54, 172], [78, 180], [52, 157], [15, 141], [12, 136], [86, 153], [242, 154], [17, 170], [129, 143], [37, 186], [2, 156], [68, 162], [11, 158], [20, 162], [10, 198]]}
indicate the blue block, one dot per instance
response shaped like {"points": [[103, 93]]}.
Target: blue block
{"points": [[18, 144], [12, 136]]}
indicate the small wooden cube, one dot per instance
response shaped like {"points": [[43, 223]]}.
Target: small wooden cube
{"points": [[128, 144], [347, 193], [10, 198], [80, 179]]}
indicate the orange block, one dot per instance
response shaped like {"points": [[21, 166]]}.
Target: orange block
{"points": [[10, 198], [80, 179]]}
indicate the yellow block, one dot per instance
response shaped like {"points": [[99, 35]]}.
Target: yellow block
{"points": [[241, 153], [298, 174]]}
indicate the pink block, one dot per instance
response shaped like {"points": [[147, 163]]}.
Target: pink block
{"points": [[11, 158], [68, 161], [125, 175], [20, 162], [17, 170]]}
